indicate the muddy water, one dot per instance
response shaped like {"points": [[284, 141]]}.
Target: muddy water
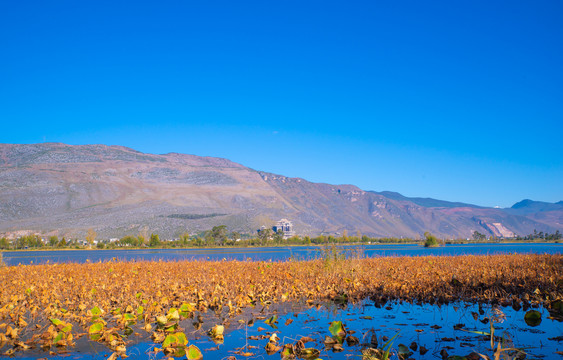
{"points": [[454, 329]]}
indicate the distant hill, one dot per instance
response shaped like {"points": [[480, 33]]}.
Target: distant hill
{"points": [[426, 202], [527, 206], [61, 189], [543, 212]]}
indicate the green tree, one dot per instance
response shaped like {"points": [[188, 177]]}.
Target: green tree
{"points": [[185, 238], [129, 240], [198, 241], [154, 240], [4, 243], [219, 234], [53, 240], [431, 240], [264, 235], [278, 236]]}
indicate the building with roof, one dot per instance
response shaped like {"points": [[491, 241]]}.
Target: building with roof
{"points": [[286, 227]]}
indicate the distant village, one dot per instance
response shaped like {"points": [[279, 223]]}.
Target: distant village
{"points": [[23, 239], [283, 230]]}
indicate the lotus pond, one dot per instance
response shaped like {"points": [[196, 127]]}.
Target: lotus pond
{"points": [[501, 306], [351, 331]]}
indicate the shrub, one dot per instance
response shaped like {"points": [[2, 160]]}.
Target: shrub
{"points": [[431, 240]]}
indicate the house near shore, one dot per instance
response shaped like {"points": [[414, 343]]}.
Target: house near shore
{"points": [[283, 225], [286, 226]]}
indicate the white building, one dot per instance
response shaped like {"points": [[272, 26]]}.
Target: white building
{"points": [[286, 226]]}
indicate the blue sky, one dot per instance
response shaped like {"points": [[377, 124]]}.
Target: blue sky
{"points": [[459, 100]]}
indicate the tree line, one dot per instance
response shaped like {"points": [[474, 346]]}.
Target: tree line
{"points": [[531, 237], [220, 236], [216, 237]]}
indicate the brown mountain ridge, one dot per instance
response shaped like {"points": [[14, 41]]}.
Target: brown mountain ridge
{"points": [[54, 188]]}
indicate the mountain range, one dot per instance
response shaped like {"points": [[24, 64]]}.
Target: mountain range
{"points": [[54, 188]]}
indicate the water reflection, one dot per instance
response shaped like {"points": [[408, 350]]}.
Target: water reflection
{"points": [[425, 330]]}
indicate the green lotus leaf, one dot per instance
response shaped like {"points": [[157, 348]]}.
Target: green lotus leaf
{"points": [[185, 307], [182, 339], [58, 338], [194, 353], [170, 341], [56, 322], [67, 328], [96, 311], [337, 329], [96, 328], [272, 321], [532, 318]]}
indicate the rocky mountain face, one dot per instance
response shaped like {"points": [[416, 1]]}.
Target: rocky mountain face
{"points": [[61, 189]]}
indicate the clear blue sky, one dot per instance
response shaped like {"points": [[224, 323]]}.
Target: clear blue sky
{"points": [[456, 100]]}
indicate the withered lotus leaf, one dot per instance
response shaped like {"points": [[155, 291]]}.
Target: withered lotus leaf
{"points": [[161, 320], [173, 315], [274, 338], [216, 332], [329, 340], [309, 353], [404, 352], [288, 352], [272, 348]]}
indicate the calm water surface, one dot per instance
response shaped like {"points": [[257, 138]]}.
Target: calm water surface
{"points": [[270, 253], [448, 327]]}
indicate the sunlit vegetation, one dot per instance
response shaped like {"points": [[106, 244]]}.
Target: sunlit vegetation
{"points": [[431, 240], [51, 305]]}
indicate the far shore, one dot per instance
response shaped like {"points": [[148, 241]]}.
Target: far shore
{"points": [[359, 244]]}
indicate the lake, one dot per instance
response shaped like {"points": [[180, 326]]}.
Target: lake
{"points": [[12, 258]]}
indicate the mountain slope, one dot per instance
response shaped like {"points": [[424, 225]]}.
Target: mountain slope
{"points": [[66, 189]]}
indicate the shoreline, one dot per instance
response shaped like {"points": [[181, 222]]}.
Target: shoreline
{"points": [[359, 244]]}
